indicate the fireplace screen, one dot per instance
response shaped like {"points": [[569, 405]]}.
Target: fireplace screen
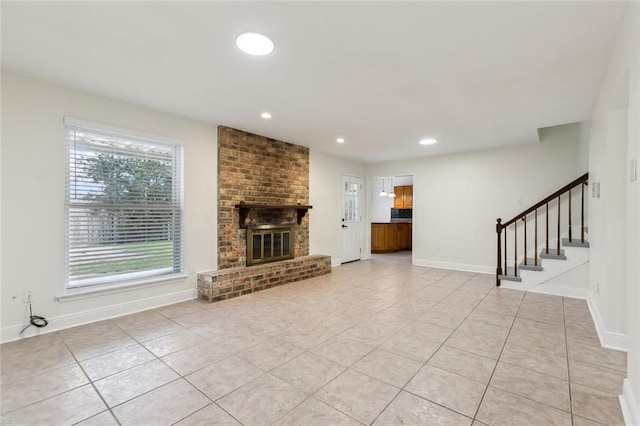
{"points": [[269, 243]]}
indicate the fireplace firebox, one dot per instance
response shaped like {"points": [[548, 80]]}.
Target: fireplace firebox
{"points": [[269, 243]]}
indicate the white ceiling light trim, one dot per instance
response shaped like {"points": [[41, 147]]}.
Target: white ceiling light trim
{"points": [[428, 141], [265, 115], [255, 44], [340, 140]]}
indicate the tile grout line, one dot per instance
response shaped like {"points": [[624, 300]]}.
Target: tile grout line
{"points": [[499, 356], [139, 342], [92, 385], [566, 348], [400, 390], [533, 400], [158, 358], [403, 389], [295, 298]]}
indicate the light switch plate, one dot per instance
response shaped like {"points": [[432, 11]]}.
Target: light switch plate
{"points": [[595, 190], [633, 170]]}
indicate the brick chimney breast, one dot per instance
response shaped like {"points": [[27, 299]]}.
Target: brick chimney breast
{"points": [[258, 170]]}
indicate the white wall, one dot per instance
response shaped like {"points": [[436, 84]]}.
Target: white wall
{"points": [[402, 180], [573, 282], [380, 207], [33, 176], [607, 215], [457, 198], [615, 217], [326, 195], [32, 218]]}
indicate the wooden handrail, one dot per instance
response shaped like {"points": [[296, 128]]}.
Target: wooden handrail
{"points": [[581, 180]]}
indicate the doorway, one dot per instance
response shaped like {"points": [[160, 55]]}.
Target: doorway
{"points": [[391, 216], [351, 226]]}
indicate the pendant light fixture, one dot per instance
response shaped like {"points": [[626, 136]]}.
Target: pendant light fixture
{"points": [[391, 193], [383, 193]]}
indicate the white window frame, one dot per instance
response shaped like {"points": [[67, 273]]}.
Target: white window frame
{"points": [[113, 279]]}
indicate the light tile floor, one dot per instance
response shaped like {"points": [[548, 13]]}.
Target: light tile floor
{"points": [[375, 342]]}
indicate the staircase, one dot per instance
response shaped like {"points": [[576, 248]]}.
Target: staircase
{"points": [[544, 241]]}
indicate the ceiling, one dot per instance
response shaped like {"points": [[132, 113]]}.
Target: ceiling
{"points": [[383, 75]]}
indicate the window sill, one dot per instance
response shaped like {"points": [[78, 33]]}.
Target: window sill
{"points": [[71, 295]]}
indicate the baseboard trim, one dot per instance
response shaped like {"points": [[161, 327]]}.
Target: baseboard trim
{"points": [[11, 333], [608, 339], [456, 266], [629, 405], [335, 262], [564, 291]]}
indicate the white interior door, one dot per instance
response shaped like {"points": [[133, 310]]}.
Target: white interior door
{"points": [[351, 238]]}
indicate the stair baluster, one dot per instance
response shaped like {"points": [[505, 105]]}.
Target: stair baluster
{"points": [[506, 268], [558, 233], [582, 214], [535, 240], [504, 272], [524, 219], [499, 267], [546, 232], [515, 249], [570, 238]]}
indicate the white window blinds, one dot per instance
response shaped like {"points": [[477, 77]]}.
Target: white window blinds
{"points": [[123, 206]]}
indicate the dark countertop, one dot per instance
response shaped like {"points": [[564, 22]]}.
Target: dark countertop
{"points": [[401, 220]]}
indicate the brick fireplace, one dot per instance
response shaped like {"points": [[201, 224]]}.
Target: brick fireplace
{"points": [[256, 170]]}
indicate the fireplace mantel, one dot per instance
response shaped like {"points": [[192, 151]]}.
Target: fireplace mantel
{"points": [[246, 207]]}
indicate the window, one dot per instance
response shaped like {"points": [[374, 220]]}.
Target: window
{"points": [[123, 206]]}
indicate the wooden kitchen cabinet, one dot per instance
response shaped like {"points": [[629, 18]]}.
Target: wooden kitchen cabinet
{"points": [[390, 237], [404, 231], [378, 237], [404, 197]]}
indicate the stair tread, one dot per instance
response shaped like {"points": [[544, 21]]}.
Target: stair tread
{"points": [[509, 275], [531, 265], [510, 278], [576, 242], [553, 254]]}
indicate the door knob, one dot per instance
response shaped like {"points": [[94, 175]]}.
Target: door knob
{"points": [[344, 226]]}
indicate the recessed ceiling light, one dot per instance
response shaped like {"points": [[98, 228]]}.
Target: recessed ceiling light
{"points": [[254, 44], [428, 141], [340, 140], [265, 115]]}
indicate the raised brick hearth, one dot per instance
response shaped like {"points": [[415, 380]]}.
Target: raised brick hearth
{"points": [[233, 282]]}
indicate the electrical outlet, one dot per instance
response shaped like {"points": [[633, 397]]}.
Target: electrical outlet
{"points": [[27, 296]]}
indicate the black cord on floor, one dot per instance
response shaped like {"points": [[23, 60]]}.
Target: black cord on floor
{"points": [[34, 320]]}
